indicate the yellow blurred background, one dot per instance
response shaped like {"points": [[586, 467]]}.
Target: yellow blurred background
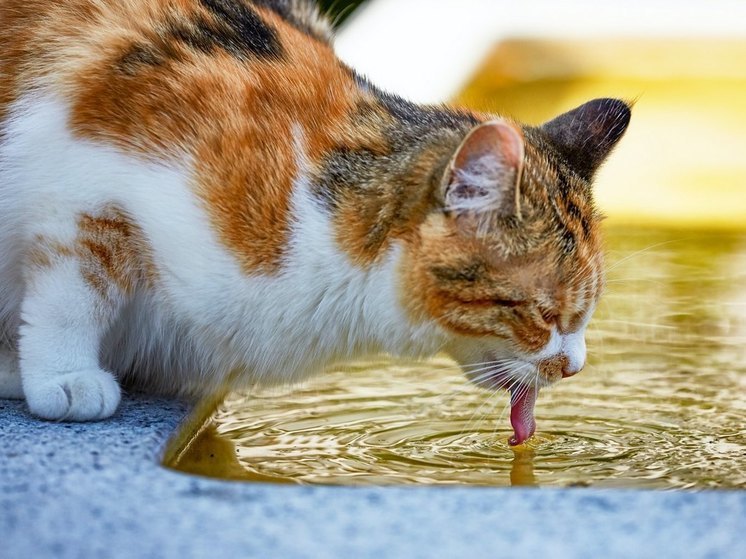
{"points": [[683, 160]]}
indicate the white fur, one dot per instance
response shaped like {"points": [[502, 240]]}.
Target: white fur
{"points": [[205, 322], [59, 343], [573, 347]]}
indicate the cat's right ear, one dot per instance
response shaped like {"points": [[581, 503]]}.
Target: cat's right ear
{"points": [[484, 173]]}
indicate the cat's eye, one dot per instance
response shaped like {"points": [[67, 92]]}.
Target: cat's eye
{"points": [[507, 302]]}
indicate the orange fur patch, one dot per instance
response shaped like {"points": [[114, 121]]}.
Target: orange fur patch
{"points": [[44, 253], [113, 251], [19, 26]]}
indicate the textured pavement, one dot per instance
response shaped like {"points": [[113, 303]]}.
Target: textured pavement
{"points": [[97, 490]]}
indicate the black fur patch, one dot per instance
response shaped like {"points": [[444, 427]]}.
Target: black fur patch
{"points": [[554, 175], [234, 28], [347, 170], [586, 135], [466, 273], [569, 244], [136, 57], [409, 130], [575, 212], [419, 118]]}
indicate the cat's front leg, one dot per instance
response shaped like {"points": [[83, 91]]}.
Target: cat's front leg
{"points": [[69, 303]]}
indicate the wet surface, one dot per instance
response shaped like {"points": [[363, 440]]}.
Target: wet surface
{"points": [[661, 404]]}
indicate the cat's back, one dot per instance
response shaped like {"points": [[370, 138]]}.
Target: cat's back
{"points": [[227, 91], [151, 74]]}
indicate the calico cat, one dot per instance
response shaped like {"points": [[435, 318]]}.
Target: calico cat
{"points": [[197, 194]]}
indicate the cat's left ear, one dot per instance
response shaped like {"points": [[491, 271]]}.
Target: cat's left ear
{"points": [[485, 171], [586, 135]]}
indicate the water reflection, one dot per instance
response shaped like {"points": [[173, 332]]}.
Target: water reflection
{"points": [[661, 403], [522, 468]]}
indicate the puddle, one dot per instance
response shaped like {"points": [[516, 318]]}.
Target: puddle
{"points": [[661, 404]]}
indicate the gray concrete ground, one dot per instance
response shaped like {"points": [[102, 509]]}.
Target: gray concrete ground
{"points": [[97, 490]]}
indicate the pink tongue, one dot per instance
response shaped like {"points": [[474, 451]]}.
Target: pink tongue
{"points": [[522, 401]]}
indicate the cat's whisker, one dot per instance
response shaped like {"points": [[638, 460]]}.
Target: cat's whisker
{"points": [[487, 381], [620, 322], [476, 364], [633, 280], [611, 267], [477, 416], [499, 400], [499, 393], [487, 378], [497, 374]]}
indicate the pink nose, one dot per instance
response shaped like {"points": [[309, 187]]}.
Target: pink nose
{"points": [[571, 368]]}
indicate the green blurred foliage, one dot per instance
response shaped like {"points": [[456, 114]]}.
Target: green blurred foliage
{"points": [[339, 10]]}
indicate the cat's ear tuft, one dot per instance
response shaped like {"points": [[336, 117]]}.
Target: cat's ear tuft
{"points": [[485, 171], [586, 135]]}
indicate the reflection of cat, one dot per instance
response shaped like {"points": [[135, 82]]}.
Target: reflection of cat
{"points": [[195, 188]]}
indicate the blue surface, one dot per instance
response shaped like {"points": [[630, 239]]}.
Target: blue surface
{"points": [[97, 490]]}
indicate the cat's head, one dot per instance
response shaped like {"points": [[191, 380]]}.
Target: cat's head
{"points": [[511, 266]]}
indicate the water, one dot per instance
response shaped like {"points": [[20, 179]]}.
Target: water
{"points": [[661, 404]]}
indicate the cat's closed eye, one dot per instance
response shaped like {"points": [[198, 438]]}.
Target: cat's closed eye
{"points": [[510, 303]]}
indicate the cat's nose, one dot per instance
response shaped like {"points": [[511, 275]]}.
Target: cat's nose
{"points": [[573, 349], [570, 371]]}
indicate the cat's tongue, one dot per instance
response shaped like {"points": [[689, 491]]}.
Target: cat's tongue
{"points": [[522, 401]]}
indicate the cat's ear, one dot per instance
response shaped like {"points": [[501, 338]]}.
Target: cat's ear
{"points": [[585, 135], [485, 171]]}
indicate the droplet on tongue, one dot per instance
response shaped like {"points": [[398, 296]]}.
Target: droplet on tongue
{"points": [[522, 402]]}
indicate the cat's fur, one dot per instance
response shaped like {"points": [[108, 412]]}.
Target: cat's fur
{"points": [[198, 194]]}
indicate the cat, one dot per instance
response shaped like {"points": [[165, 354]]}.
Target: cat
{"points": [[197, 194]]}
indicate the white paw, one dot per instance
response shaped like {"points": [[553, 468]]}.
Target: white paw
{"points": [[85, 395]]}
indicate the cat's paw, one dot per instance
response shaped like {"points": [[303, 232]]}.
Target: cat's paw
{"points": [[86, 395]]}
